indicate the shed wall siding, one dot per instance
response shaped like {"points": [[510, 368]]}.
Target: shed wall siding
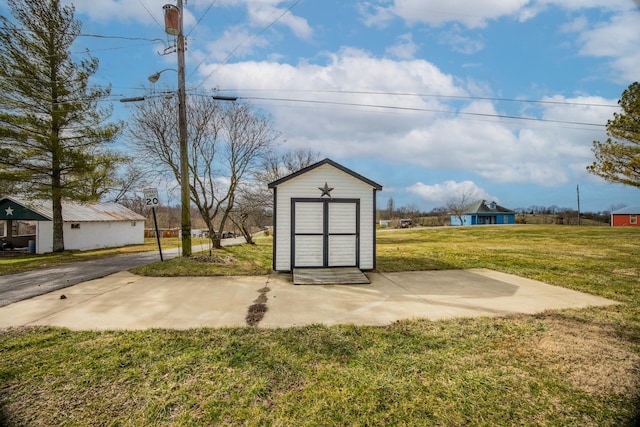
{"points": [[96, 235], [306, 185]]}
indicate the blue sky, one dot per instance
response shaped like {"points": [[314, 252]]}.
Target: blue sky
{"points": [[437, 79]]}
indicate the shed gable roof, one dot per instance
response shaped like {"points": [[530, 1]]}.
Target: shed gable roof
{"points": [[330, 162], [42, 210]]}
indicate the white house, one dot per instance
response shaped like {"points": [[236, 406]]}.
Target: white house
{"points": [[324, 216], [85, 226]]}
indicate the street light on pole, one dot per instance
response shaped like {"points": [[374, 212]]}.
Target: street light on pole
{"points": [[153, 78]]}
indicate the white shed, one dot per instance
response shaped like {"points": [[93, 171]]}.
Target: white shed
{"points": [[85, 226], [324, 216]]}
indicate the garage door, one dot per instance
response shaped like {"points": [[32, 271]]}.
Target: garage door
{"points": [[325, 232]]}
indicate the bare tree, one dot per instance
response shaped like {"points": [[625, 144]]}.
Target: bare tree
{"points": [[226, 142], [391, 207], [278, 165], [458, 202], [130, 182], [254, 202], [250, 208]]}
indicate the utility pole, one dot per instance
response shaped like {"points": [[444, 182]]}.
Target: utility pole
{"points": [[578, 192], [184, 150], [174, 25]]}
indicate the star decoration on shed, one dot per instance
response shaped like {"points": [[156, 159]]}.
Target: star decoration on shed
{"points": [[326, 190], [9, 211]]}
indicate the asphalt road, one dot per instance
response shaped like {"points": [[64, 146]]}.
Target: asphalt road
{"points": [[21, 286]]}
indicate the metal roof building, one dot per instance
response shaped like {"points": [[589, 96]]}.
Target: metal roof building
{"points": [[626, 217], [85, 225]]}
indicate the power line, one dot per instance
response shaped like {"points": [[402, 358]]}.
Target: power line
{"points": [[203, 15], [294, 4], [100, 36], [209, 54], [97, 36], [151, 15], [430, 110], [475, 119], [425, 95]]}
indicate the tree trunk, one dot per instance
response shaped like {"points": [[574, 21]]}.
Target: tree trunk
{"points": [[58, 230], [247, 235], [216, 240], [56, 199]]}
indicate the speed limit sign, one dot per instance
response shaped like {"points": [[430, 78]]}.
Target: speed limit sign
{"points": [[151, 197]]}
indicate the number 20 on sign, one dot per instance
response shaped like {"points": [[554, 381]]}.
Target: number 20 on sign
{"points": [[151, 198]]}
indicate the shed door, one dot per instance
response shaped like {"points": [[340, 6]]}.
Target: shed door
{"points": [[308, 242], [325, 232]]}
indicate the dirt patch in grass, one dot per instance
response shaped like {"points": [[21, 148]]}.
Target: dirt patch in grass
{"points": [[218, 259], [590, 356]]}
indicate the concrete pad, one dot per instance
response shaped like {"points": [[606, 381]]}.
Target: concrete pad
{"points": [[140, 303], [34, 310], [127, 301], [420, 294]]}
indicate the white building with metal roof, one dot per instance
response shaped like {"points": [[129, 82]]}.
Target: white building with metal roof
{"points": [[85, 226]]}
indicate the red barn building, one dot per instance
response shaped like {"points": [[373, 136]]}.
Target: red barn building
{"points": [[626, 217]]}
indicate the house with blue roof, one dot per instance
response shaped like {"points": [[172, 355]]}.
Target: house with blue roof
{"points": [[483, 212]]}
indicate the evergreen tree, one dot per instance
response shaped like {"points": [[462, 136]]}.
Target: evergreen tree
{"points": [[51, 128], [618, 159]]}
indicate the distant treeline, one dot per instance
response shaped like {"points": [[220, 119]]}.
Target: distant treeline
{"points": [[532, 215]]}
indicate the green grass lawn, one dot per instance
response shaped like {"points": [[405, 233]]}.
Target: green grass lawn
{"points": [[570, 367]]}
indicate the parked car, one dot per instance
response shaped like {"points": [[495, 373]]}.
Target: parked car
{"points": [[228, 235], [405, 223], [4, 245]]}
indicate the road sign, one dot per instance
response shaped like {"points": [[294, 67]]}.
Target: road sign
{"points": [[151, 198]]}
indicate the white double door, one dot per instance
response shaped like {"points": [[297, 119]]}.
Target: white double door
{"points": [[325, 232]]}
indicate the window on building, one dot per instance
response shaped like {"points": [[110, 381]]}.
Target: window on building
{"points": [[75, 226], [633, 219]]}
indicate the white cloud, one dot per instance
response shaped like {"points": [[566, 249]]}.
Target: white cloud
{"points": [[441, 194], [374, 15], [614, 5], [149, 12], [405, 48], [460, 43], [418, 130], [474, 14], [237, 40], [617, 39], [471, 14], [579, 24], [261, 14]]}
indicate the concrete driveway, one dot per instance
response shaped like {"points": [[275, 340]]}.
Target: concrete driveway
{"points": [[127, 301], [21, 286]]}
